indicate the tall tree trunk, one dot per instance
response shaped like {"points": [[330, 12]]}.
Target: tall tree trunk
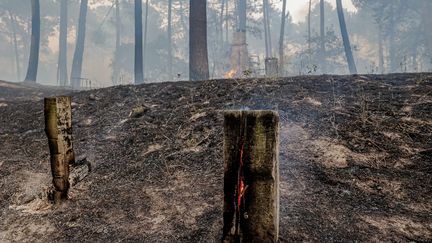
{"points": [[62, 75], [281, 40], [116, 64], [170, 74], [14, 37], [242, 7], [226, 22], [380, 49], [139, 75], [79, 47], [395, 14], [145, 38], [426, 24], [239, 53], [348, 52], [35, 43], [268, 27], [222, 21], [266, 30], [309, 27], [323, 55], [392, 45], [198, 57]]}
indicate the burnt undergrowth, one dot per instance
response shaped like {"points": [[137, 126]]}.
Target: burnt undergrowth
{"points": [[355, 160]]}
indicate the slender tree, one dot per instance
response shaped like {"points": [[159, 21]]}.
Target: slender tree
{"points": [[309, 27], [266, 29], [380, 49], [116, 64], [79, 47], [169, 39], [345, 38], [281, 39], [322, 37], [198, 57], [62, 75], [15, 41], [139, 76], [35, 43], [145, 38], [221, 21]]}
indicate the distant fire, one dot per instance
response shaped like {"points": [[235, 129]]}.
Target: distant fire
{"points": [[230, 74]]}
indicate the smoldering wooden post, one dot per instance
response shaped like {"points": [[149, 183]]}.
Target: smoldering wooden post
{"points": [[58, 128], [271, 67], [251, 176]]}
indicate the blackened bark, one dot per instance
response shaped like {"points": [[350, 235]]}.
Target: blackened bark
{"points": [[198, 57]]}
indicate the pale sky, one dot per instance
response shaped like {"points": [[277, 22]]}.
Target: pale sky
{"points": [[299, 8]]}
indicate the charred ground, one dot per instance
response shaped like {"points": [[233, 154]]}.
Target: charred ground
{"points": [[355, 160]]}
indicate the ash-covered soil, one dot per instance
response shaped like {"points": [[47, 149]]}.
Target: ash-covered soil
{"points": [[355, 160]]}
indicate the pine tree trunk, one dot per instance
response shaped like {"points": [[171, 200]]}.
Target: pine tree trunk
{"points": [[226, 22], [323, 55], [145, 38], [62, 60], [138, 66], [35, 43], [266, 30], [281, 40], [222, 22], [380, 49], [116, 62], [79, 47], [170, 74], [14, 37], [392, 44], [346, 42], [309, 27], [198, 57]]}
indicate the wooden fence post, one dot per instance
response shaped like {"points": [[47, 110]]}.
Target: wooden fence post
{"points": [[251, 176], [58, 128]]}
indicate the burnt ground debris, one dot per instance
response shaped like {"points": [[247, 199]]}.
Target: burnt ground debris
{"points": [[355, 160]]}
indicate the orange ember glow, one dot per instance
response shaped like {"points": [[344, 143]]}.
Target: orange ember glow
{"points": [[230, 74], [241, 185]]}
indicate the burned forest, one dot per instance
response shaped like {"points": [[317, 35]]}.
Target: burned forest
{"points": [[229, 121]]}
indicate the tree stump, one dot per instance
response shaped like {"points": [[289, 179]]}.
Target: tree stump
{"points": [[251, 176], [58, 128], [271, 67]]}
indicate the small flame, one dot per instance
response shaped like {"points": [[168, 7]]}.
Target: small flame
{"points": [[230, 74], [241, 186]]}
